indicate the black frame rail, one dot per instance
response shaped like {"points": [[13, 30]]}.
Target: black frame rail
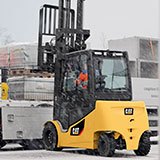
{"points": [[48, 24], [58, 33]]}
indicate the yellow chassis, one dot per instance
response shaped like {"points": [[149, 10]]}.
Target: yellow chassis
{"points": [[108, 116]]}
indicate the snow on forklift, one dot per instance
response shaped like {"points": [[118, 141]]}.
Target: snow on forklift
{"points": [[101, 116]]}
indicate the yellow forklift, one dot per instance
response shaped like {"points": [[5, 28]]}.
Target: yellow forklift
{"points": [[92, 89]]}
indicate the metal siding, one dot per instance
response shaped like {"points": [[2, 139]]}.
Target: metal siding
{"points": [[29, 120]]}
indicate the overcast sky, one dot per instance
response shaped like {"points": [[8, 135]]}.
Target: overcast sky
{"points": [[107, 19]]}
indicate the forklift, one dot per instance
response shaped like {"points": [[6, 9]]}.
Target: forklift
{"points": [[96, 113]]}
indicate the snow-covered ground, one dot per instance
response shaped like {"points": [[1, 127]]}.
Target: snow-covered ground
{"points": [[15, 153]]}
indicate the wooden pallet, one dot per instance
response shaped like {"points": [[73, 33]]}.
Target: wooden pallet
{"points": [[29, 73]]}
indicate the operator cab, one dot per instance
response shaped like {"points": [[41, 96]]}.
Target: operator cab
{"points": [[107, 79]]}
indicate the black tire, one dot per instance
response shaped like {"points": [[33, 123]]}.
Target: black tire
{"points": [[2, 142], [50, 137], [106, 145], [144, 145]]}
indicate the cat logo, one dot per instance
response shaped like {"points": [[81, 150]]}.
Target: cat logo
{"points": [[75, 131], [128, 111]]}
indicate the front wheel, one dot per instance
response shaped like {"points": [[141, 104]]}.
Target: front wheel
{"points": [[144, 145], [106, 145], [50, 137]]}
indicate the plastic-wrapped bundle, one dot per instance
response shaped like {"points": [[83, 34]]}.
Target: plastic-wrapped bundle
{"points": [[31, 88], [19, 56], [4, 57]]}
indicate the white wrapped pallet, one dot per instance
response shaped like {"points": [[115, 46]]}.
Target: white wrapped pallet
{"points": [[31, 88], [19, 56], [4, 58]]}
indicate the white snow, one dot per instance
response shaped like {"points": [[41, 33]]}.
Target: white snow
{"points": [[17, 154]]}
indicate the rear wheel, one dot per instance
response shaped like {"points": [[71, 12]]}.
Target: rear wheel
{"points": [[106, 145], [144, 145], [50, 137]]}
